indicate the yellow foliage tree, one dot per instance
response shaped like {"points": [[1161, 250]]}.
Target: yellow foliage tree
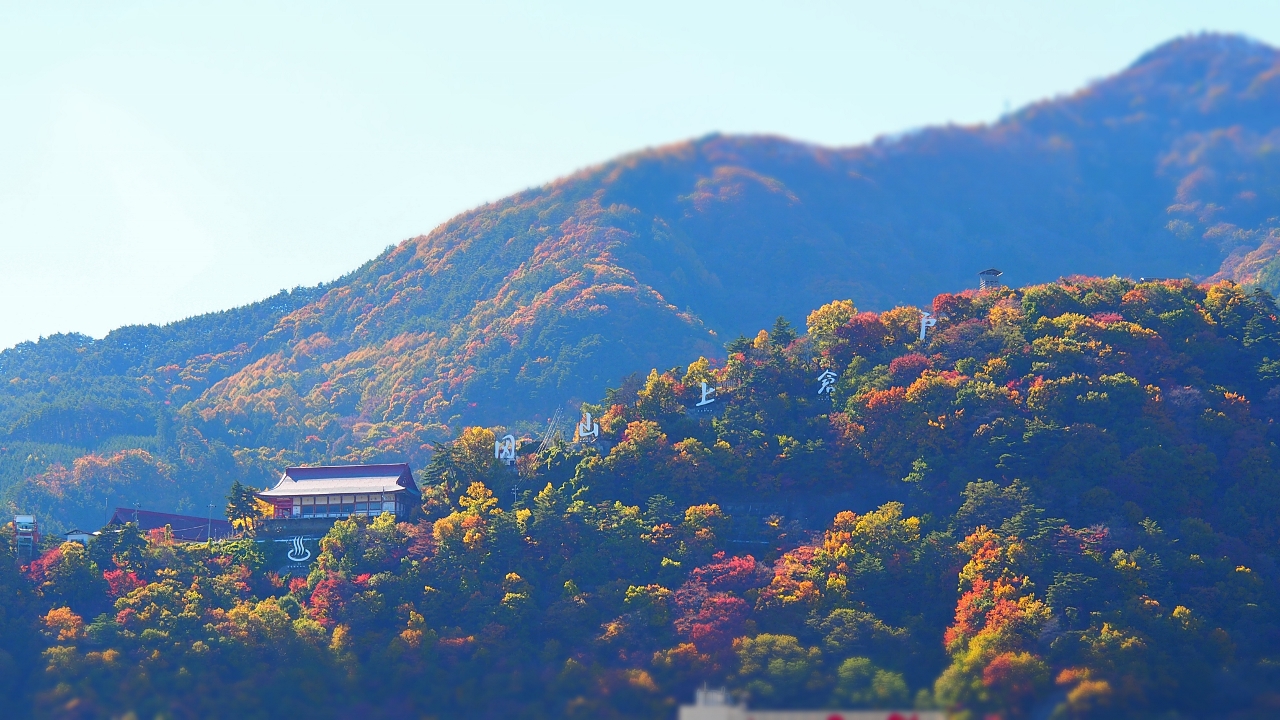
{"points": [[473, 451], [823, 322]]}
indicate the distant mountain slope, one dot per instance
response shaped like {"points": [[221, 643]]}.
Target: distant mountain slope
{"points": [[503, 313]]}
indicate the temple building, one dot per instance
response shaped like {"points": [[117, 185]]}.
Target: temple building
{"points": [[343, 491]]}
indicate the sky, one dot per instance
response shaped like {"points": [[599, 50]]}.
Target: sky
{"points": [[162, 160]]}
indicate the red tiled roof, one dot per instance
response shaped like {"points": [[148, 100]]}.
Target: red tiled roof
{"points": [[189, 528]]}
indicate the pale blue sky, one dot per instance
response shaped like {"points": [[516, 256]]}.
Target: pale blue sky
{"points": [[159, 160]]}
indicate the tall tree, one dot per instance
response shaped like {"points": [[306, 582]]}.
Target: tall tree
{"points": [[242, 505], [782, 333]]}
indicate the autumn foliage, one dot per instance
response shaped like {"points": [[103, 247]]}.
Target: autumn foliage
{"points": [[1063, 501]]}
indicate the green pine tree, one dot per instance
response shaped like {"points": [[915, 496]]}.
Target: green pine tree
{"points": [[241, 504], [782, 333]]}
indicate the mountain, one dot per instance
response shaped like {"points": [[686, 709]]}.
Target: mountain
{"points": [[1063, 503], [542, 299]]}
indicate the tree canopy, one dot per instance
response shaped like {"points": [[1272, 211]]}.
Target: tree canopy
{"points": [[1063, 500]]}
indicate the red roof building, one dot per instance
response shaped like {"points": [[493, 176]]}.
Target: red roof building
{"points": [[187, 528], [342, 491]]}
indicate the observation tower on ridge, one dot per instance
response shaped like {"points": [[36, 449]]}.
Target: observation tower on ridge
{"points": [[26, 536]]}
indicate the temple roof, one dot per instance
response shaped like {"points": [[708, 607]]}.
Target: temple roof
{"points": [[343, 479]]}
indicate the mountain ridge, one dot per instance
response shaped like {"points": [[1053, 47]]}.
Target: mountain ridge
{"points": [[544, 298]]}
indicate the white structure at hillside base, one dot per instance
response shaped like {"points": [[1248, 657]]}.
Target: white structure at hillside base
{"points": [[715, 704]]}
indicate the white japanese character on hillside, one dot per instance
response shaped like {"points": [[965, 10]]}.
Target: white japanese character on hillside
{"points": [[828, 381], [707, 391]]}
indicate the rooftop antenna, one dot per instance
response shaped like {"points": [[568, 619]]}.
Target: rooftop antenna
{"points": [[989, 279]]}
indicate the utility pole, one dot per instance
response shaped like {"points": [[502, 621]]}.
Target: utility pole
{"points": [[209, 532]]}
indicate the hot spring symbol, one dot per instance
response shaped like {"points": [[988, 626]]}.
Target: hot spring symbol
{"points": [[299, 552]]}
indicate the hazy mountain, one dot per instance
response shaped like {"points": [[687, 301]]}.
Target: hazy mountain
{"points": [[509, 310]]}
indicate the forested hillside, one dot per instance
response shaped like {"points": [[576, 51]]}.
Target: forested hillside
{"points": [[1077, 514], [542, 299]]}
